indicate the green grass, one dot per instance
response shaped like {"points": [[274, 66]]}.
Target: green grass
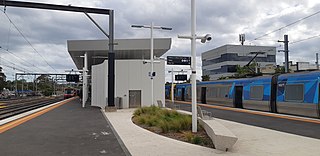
{"points": [[192, 138], [166, 120]]}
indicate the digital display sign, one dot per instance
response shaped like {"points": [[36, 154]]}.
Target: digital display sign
{"points": [[178, 60]]}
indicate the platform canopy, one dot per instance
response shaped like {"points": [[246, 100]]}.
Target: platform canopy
{"points": [[97, 50]]}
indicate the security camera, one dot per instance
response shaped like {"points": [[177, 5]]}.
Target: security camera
{"points": [[206, 38]]}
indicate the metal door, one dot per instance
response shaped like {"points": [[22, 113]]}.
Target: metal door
{"points": [[318, 102], [134, 98]]}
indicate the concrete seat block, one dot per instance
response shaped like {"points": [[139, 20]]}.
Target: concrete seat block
{"points": [[222, 138]]}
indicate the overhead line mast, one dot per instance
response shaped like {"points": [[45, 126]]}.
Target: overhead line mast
{"points": [[111, 54]]}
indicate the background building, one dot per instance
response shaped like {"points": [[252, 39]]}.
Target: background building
{"points": [[222, 61], [301, 66]]}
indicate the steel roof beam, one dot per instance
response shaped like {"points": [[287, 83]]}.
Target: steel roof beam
{"points": [[54, 7]]}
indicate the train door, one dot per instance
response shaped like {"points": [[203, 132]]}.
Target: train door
{"points": [[237, 99], [273, 94], [319, 101], [134, 98], [183, 91], [203, 94]]}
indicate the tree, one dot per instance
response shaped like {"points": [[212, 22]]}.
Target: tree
{"points": [[279, 70], [2, 79], [223, 78], [205, 78], [246, 71], [45, 84]]}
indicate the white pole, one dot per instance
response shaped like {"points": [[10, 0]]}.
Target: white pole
{"points": [[172, 95], [193, 66], [151, 57], [84, 83], [22, 86]]}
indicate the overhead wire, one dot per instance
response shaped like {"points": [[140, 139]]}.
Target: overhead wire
{"points": [[14, 64], [309, 38], [288, 25], [16, 56], [11, 53], [25, 38]]}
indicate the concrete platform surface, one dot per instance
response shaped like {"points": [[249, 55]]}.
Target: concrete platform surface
{"points": [[68, 130], [252, 141]]}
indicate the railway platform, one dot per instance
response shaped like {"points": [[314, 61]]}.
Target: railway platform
{"points": [[253, 140], [66, 130], [72, 130]]}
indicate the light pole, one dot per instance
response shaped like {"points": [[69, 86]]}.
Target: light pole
{"points": [[286, 52], [172, 94], [193, 38], [151, 27]]}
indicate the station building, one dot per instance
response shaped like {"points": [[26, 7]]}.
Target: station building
{"points": [[222, 61], [132, 67]]}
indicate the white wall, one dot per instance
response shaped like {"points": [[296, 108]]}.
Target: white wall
{"points": [[129, 75], [98, 93]]}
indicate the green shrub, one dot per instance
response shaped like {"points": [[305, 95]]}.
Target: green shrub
{"points": [[164, 119], [188, 135], [163, 126], [141, 120], [137, 112], [151, 121], [196, 140], [186, 122]]}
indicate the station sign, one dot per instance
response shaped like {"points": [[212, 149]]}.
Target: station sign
{"points": [[180, 77], [72, 78], [178, 60]]}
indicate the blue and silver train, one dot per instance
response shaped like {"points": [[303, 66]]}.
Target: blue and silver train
{"points": [[296, 93]]}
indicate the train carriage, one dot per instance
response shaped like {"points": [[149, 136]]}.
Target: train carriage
{"points": [[216, 92], [256, 93], [298, 94], [69, 92], [181, 91]]}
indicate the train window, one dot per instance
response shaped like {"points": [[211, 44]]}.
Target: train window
{"points": [[256, 92], [224, 91], [294, 92], [212, 92]]}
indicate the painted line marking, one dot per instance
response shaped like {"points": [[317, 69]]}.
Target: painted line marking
{"points": [[20, 121], [256, 112]]}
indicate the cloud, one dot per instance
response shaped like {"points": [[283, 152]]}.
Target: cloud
{"points": [[48, 31]]}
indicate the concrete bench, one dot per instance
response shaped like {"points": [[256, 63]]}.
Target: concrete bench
{"points": [[223, 139], [203, 114]]}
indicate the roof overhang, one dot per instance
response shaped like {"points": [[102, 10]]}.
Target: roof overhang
{"points": [[97, 50]]}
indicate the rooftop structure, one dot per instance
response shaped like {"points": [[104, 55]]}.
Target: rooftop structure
{"points": [[97, 50]]}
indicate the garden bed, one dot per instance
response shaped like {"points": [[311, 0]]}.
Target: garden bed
{"points": [[171, 124]]}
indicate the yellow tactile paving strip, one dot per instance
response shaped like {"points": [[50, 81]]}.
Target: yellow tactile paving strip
{"points": [[17, 122]]}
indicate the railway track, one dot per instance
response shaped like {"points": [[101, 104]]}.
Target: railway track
{"points": [[15, 107]]}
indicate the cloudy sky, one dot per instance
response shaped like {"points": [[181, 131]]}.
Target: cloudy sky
{"points": [[35, 40]]}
